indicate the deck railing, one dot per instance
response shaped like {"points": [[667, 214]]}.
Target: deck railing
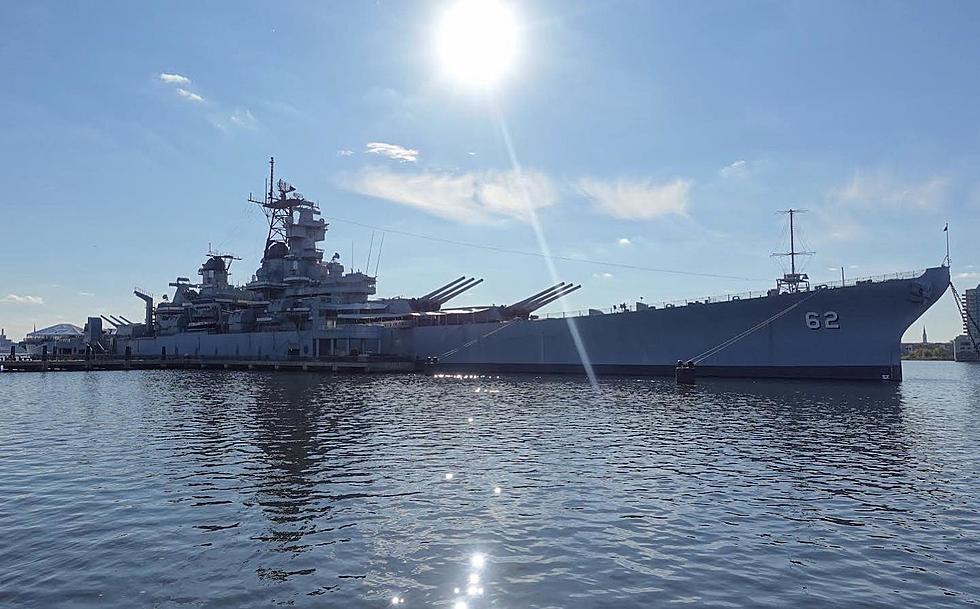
{"points": [[831, 285]]}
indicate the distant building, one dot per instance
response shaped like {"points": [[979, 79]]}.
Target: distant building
{"points": [[963, 350], [60, 339], [965, 346]]}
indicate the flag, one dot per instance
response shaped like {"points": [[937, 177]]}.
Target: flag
{"points": [[946, 228]]}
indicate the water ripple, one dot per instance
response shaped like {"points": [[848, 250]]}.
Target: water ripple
{"points": [[233, 489]]}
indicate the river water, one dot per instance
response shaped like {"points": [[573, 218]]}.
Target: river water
{"points": [[237, 489]]}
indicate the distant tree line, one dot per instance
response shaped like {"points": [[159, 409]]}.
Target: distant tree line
{"points": [[932, 352]]}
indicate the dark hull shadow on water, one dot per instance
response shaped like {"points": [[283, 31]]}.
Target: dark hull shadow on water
{"points": [[238, 489]]}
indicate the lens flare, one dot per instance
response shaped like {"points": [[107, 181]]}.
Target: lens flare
{"points": [[477, 41]]}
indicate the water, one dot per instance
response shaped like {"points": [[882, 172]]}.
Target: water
{"points": [[185, 489]]}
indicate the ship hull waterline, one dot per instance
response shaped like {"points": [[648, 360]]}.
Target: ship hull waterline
{"points": [[849, 333]]}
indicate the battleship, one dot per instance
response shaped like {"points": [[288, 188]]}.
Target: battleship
{"points": [[299, 306]]}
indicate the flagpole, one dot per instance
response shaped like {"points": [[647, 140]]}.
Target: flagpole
{"points": [[946, 230]]}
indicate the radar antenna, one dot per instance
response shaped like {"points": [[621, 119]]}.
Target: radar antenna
{"points": [[793, 281], [278, 208], [228, 257]]}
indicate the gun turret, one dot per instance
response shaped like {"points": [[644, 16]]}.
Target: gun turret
{"points": [[438, 297], [442, 289], [520, 304], [463, 287], [541, 302], [524, 308]]}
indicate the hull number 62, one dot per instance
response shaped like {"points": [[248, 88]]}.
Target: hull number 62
{"points": [[829, 320]]}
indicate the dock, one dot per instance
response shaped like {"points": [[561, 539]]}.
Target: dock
{"points": [[346, 365]]}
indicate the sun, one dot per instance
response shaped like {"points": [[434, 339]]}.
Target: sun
{"points": [[477, 41]]}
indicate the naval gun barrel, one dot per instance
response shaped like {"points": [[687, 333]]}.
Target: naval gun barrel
{"points": [[442, 289], [521, 303], [114, 324], [537, 304], [463, 287], [118, 321], [126, 320]]}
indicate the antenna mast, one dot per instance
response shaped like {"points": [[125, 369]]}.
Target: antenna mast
{"points": [[278, 208], [792, 242], [792, 281]]}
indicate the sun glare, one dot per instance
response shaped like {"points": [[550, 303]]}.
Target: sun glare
{"points": [[477, 41]]}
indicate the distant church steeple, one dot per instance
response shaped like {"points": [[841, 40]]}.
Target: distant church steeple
{"points": [[925, 337]]}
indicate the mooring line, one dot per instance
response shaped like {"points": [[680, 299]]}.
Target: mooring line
{"points": [[470, 343], [731, 341]]}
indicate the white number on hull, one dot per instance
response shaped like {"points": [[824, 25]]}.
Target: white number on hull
{"points": [[831, 320]]}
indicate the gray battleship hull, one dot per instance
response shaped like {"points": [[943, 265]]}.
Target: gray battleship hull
{"points": [[851, 332]]}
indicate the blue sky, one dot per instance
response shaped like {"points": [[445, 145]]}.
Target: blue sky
{"points": [[654, 134]]}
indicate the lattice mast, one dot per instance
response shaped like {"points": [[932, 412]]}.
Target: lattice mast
{"points": [[277, 209]]}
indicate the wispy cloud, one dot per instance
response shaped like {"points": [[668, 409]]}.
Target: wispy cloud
{"points": [[86, 294], [604, 275], [180, 82], [393, 151], [880, 189], [471, 198], [189, 95], [21, 300], [624, 242], [174, 79], [218, 114], [242, 118], [845, 216], [345, 152], [237, 119], [737, 169], [641, 199]]}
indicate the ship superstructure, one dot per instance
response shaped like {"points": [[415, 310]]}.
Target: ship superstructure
{"points": [[298, 306]]}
